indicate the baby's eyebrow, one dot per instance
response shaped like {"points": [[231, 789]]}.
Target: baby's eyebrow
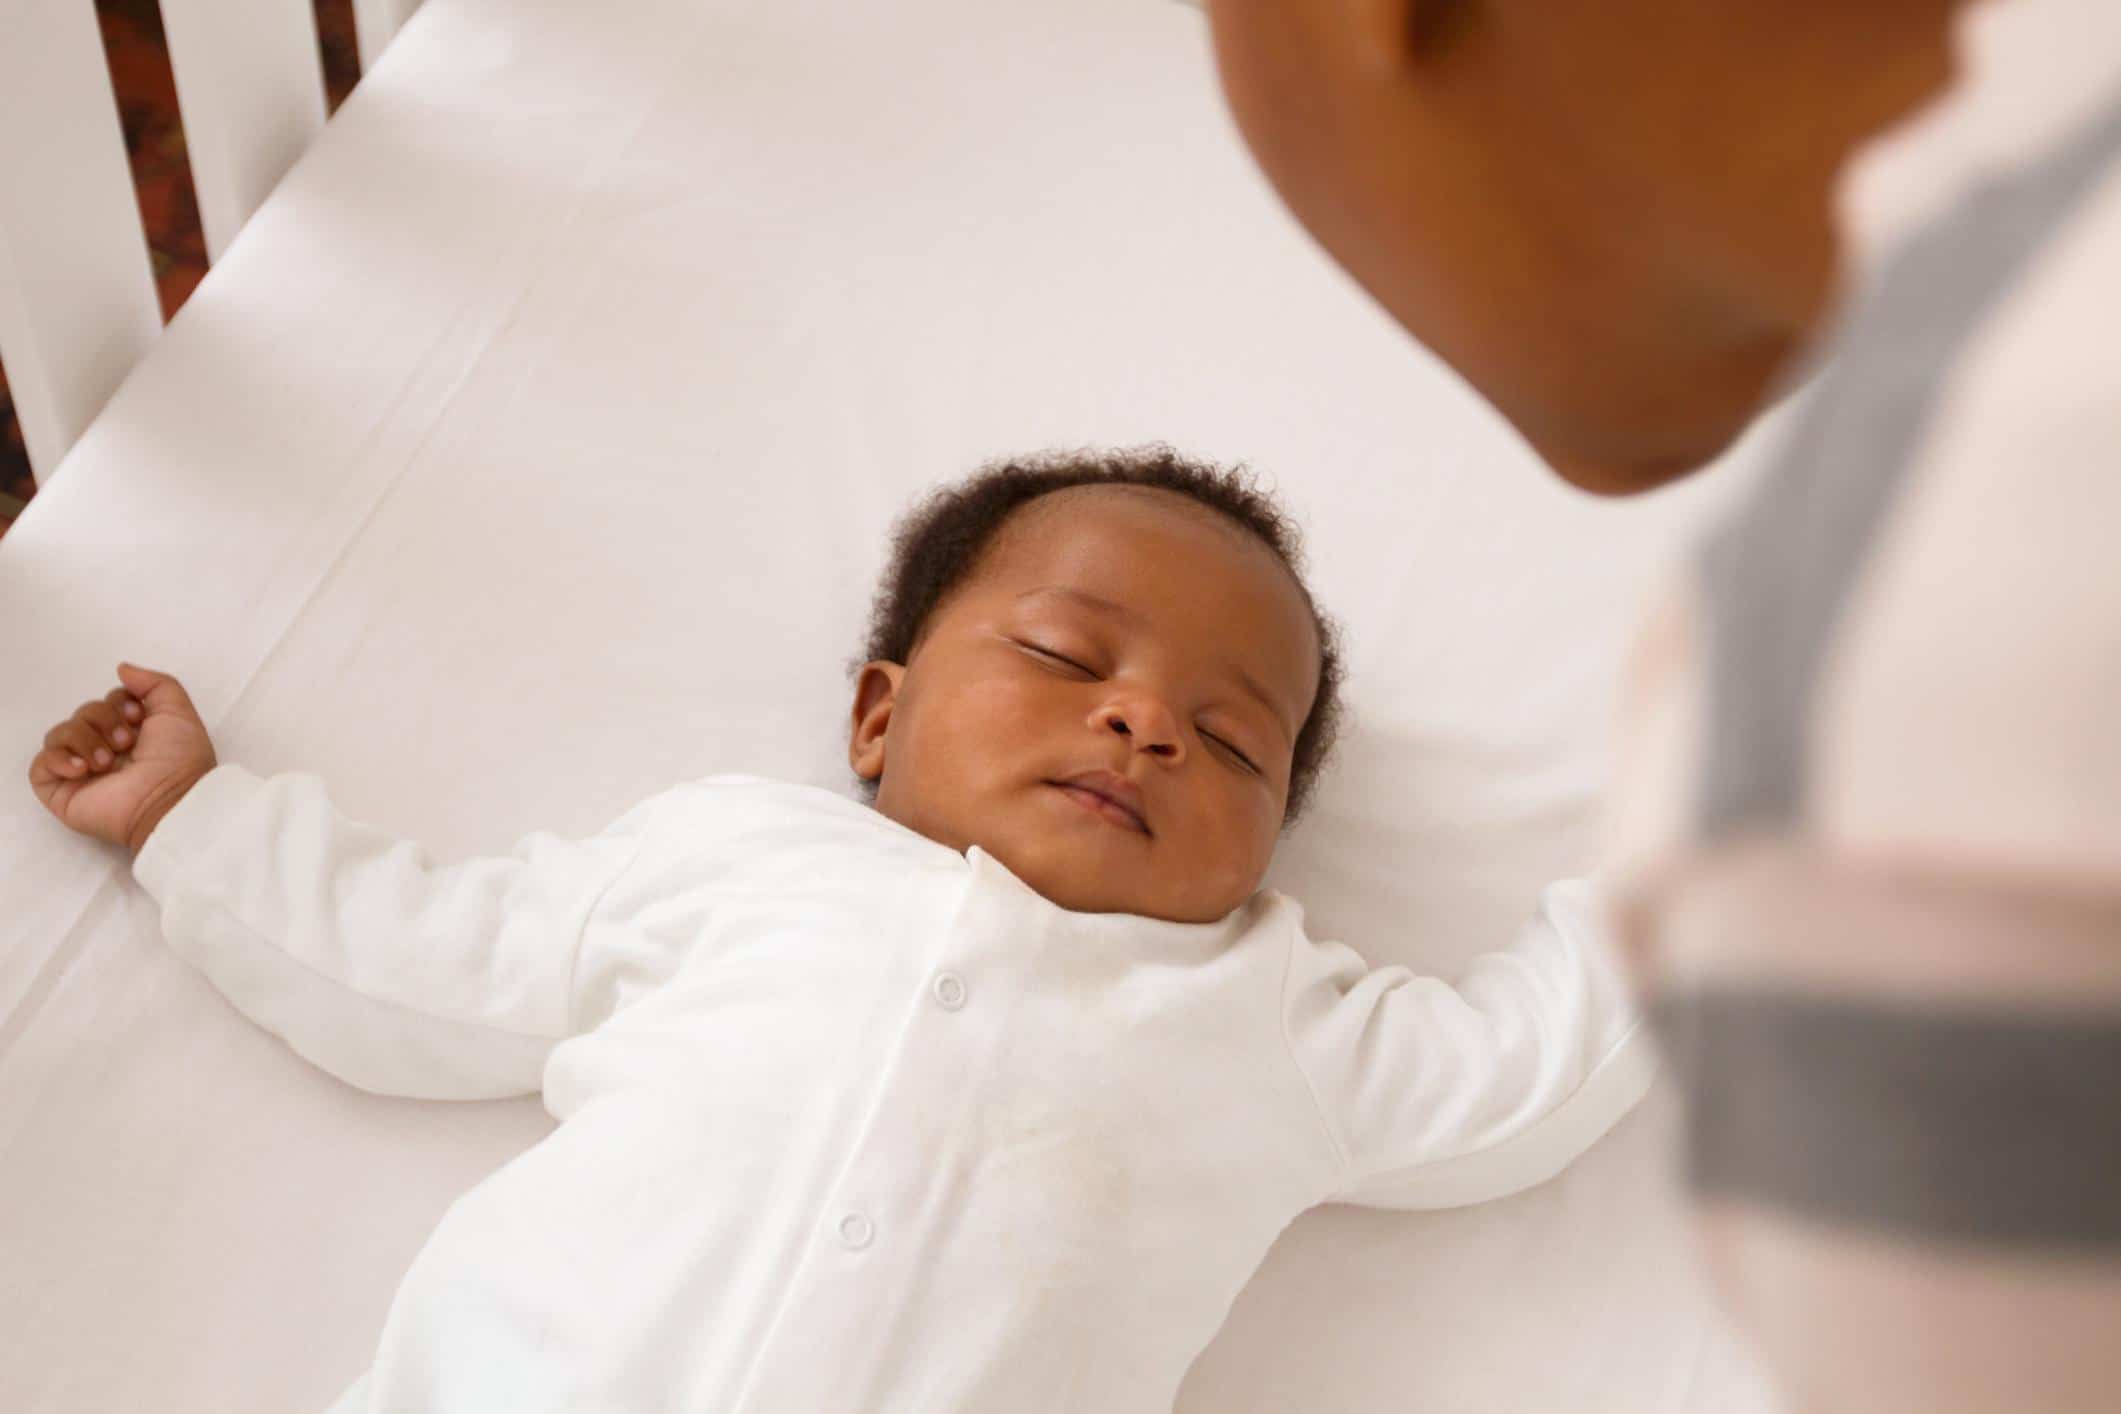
{"points": [[1121, 611], [1087, 600]]}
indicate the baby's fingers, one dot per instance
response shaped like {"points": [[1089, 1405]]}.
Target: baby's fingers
{"points": [[76, 740], [57, 762], [50, 765], [127, 705], [109, 728]]}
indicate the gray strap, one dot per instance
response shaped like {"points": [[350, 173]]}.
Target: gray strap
{"points": [[1777, 576], [1989, 1127]]}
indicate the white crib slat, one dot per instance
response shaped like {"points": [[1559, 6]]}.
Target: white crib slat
{"points": [[77, 302], [251, 90], [375, 21]]}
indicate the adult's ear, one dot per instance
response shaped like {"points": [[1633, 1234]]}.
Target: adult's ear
{"points": [[875, 693]]}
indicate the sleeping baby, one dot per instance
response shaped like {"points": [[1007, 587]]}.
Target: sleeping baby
{"points": [[984, 1089]]}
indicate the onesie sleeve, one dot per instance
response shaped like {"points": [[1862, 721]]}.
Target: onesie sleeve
{"points": [[394, 973], [1439, 1096]]}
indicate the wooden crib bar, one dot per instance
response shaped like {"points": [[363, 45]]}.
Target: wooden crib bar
{"points": [[77, 299], [77, 305], [250, 87], [375, 22]]}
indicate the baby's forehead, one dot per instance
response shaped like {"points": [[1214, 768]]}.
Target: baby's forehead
{"points": [[1062, 521], [1150, 549]]}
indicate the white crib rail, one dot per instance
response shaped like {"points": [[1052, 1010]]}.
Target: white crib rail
{"points": [[77, 306], [250, 87], [375, 21], [77, 301]]}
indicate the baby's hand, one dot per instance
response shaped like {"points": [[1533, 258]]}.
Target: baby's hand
{"points": [[117, 766]]}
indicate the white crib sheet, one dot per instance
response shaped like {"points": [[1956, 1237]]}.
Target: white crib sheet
{"points": [[535, 446]]}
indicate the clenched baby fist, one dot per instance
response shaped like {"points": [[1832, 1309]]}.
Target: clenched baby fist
{"points": [[122, 762]]}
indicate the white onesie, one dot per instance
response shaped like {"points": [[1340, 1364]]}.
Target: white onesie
{"points": [[850, 1121]]}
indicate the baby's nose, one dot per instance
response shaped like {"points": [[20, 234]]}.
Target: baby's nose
{"points": [[1149, 726]]}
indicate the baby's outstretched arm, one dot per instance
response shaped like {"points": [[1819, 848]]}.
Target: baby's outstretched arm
{"points": [[1440, 1095], [394, 973]]}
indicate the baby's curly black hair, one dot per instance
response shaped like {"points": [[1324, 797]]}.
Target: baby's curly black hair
{"points": [[936, 545]]}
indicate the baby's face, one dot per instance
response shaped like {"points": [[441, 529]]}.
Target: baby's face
{"points": [[1127, 631]]}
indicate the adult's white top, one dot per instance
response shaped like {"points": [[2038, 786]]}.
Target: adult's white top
{"points": [[850, 1120]]}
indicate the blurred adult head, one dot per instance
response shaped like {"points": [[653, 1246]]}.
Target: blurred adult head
{"points": [[1615, 219]]}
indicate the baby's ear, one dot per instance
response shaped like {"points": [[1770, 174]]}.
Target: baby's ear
{"points": [[875, 693]]}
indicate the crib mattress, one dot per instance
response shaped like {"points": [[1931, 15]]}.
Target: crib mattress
{"points": [[535, 447]]}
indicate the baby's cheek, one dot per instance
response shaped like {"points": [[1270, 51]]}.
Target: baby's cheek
{"points": [[997, 709], [1240, 848], [962, 714]]}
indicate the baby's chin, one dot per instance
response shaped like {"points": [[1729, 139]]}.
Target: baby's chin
{"points": [[1074, 860], [1087, 881]]}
